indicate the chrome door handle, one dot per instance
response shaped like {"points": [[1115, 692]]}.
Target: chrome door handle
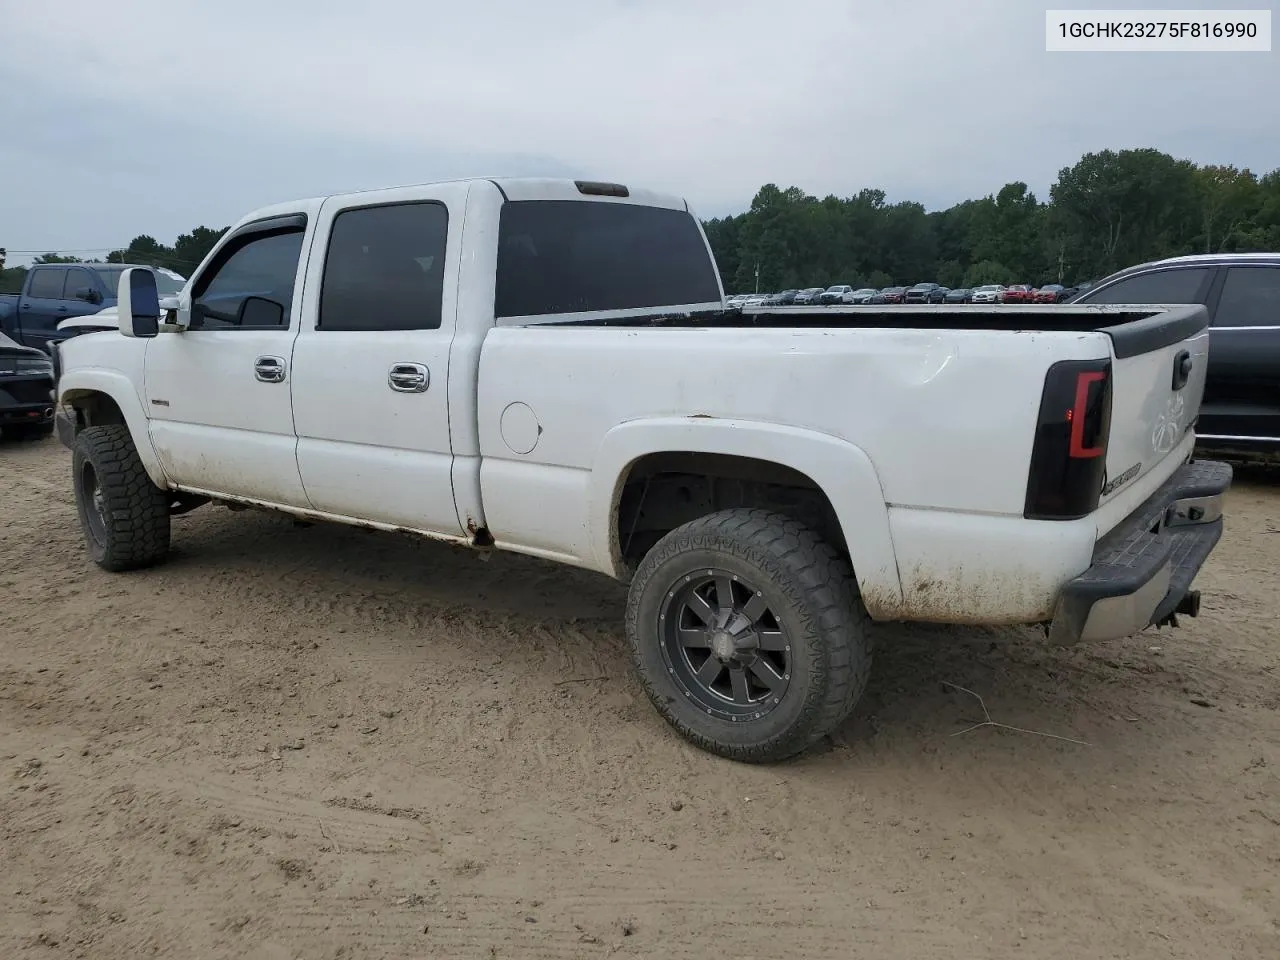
{"points": [[269, 369], [408, 378]]}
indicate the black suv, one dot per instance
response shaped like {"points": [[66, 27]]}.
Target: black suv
{"points": [[1241, 409]]}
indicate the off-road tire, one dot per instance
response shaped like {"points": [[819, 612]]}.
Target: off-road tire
{"points": [[810, 589], [134, 512]]}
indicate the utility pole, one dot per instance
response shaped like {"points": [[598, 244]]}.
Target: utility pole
{"points": [[757, 276]]}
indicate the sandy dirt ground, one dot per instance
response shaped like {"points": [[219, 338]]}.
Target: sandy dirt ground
{"points": [[328, 743]]}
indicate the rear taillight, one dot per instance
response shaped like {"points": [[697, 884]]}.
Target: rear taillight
{"points": [[1069, 455]]}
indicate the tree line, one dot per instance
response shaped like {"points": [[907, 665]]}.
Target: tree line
{"points": [[183, 257], [1110, 210]]}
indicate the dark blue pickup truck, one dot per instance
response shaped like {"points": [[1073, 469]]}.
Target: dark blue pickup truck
{"points": [[53, 292]]}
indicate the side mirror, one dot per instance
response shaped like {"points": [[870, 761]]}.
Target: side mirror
{"points": [[138, 303], [260, 312], [88, 295]]}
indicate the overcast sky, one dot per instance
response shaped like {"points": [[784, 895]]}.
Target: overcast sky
{"points": [[154, 116]]}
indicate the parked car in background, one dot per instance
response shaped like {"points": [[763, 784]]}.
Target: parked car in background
{"points": [[808, 295], [988, 293], [1018, 293], [26, 391], [1240, 414], [959, 295], [1050, 293], [784, 299], [890, 295], [756, 300], [53, 292], [863, 295], [925, 293], [735, 300], [838, 293]]}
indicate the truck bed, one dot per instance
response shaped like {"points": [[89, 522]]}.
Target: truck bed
{"points": [[1132, 329], [936, 316], [943, 409]]}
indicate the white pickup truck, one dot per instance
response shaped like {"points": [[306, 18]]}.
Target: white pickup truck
{"points": [[548, 367]]}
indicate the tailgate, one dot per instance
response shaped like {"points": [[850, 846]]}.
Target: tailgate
{"points": [[1158, 374]]}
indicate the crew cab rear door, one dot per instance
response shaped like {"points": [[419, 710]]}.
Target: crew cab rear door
{"points": [[370, 365]]}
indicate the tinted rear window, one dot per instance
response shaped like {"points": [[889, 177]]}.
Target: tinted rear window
{"points": [[571, 256]]}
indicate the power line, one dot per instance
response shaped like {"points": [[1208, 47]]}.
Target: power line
{"points": [[133, 254], [44, 250]]}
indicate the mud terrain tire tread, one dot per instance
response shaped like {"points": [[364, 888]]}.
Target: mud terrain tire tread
{"points": [[827, 619], [136, 510]]}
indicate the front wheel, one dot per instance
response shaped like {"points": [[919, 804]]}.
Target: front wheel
{"points": [[748, 634], [124, 516]]}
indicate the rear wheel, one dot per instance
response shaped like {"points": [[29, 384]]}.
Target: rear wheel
{"points": [[748, 634], [124, 516]]}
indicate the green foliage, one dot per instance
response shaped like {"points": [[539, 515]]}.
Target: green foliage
{"points": [[183, 257], [1110, 210], [951, 274], [11, 279], [988, 271]]}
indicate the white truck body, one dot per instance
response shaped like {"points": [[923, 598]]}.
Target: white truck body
{"points": [[905, 437]]}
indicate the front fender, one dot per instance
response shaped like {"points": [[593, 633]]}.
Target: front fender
{"points": [[841, 470], [78, 384]]}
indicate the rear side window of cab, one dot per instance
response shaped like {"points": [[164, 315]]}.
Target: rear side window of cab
{"points": [[582, 256]]}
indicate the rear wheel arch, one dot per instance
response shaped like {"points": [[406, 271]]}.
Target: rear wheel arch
{"points": [[823, 481]]}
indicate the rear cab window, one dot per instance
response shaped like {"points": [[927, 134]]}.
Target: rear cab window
{"points": [[583, 256]]}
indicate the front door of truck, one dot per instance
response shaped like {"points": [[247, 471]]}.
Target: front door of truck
{"points": [[371, 363], [218, 393]]}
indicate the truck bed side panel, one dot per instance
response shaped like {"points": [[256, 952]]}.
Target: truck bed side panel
{"points": [[945, 418]]}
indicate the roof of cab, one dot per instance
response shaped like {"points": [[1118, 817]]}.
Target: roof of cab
{"points": [[512, 188], [547, 188]]}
